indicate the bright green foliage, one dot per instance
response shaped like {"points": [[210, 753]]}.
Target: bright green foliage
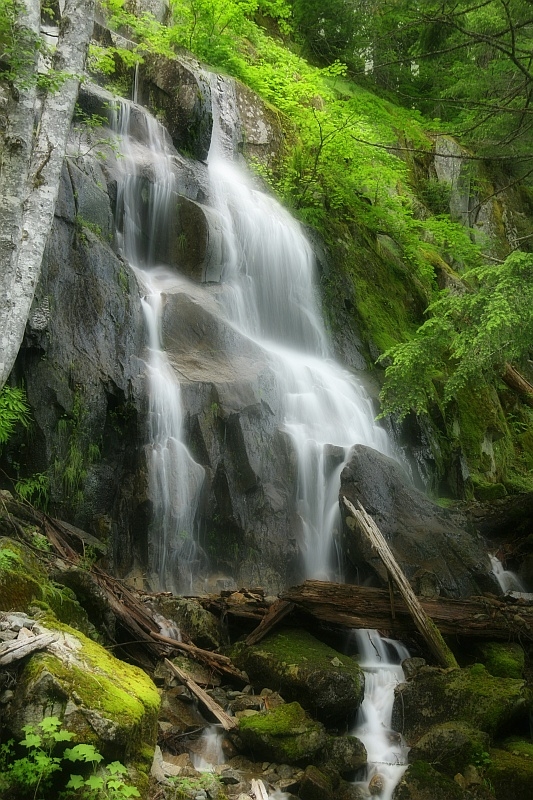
{"points": [[467, 337], [14, 410], [35, 489], [18, 46], [40, 774]]}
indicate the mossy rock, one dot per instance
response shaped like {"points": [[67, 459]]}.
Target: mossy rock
{"points": [[451, 746], [434, 696], [486, 491], [202, 627], [328, 684], [21, 576], [502, 659], [342, 754], [286, 735], [315, 785], [24, 583], [510, 770], [102, 700], [421, 781]]}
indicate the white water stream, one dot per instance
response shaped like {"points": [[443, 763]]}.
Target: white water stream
{"points": [[509, 581], [386, 750], [145, 189]]}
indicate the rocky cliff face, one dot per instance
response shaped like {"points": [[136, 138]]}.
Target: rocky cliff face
{"points": [[83, 354]]}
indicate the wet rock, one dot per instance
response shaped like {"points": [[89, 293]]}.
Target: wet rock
{"points": [[451, 746], [421, 781], [343, 754], [376, 784], [202, 627], [425, 539], [510, 770], [316, 786], [472, 696], [326, 683], [172, 87], [286, 735]]}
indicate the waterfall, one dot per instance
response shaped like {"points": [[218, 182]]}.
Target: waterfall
{"points": [[509, 581], [387, 753], [145, 190], [272, 299], [269, 296]]}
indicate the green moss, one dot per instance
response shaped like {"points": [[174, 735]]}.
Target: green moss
{"points": [[451, 746], [511, 773], [286, 734], [114, 690], [421, 780], [21, 576], [503, 659]]}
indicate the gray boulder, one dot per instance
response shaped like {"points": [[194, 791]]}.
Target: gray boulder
{"points": [[436, 553]]}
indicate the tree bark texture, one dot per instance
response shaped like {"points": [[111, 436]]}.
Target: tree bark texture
{"points": [[349, 606], [30, 170]]}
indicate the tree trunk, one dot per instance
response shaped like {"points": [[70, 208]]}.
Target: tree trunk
{"points": [[436, 644], [518, 383], [349, 606], [30, 172]]}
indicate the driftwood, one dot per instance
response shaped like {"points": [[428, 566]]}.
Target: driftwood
{"points": [[20, 648], [258, 790], [277, 611], [215, 661], [432, 636], [349, 606], [518, 383], [227, 722]]}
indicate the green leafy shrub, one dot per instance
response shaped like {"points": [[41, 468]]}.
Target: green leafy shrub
{"points": [[41, 773], [14, 410]]}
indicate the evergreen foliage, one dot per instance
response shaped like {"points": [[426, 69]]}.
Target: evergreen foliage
{"points": [[467, 338]]}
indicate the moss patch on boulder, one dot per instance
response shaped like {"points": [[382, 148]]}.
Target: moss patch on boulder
{"points": [[510, 771], [328, 684], [421, 781], [21, 576], [102, 700], [286, 735], [471, 695], [502, 659], [451, 746]]}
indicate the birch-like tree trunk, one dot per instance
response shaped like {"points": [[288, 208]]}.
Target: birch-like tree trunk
{"points": [[30, 170]]}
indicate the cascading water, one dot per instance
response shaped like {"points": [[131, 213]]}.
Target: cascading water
{"points": [[509, 581], [271, 299], [145, 190], [387, 753]]}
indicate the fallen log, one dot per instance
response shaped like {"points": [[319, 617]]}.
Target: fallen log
{"points": [[258, 790], [349, 606], [20, 648], [277, 611], [215, 661], [227, 722], [431, 634]]}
